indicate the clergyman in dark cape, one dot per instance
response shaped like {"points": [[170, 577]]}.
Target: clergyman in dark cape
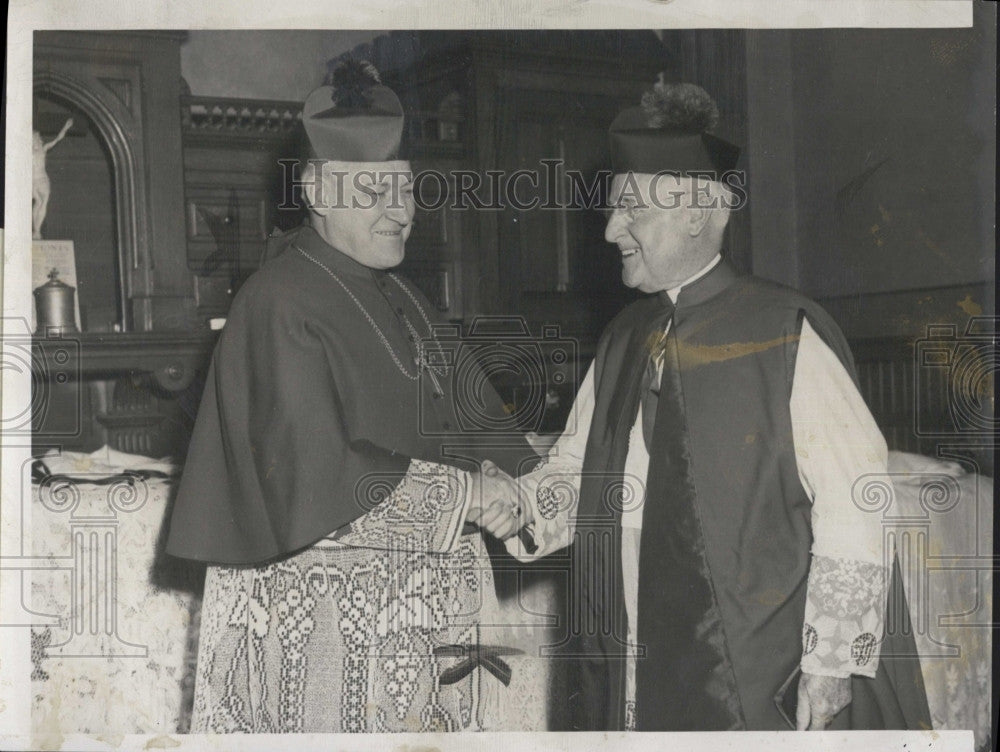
{"points": [[328, 478], [728, 573]]}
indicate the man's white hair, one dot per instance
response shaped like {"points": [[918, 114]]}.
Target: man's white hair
{"points": [[723, 199], [716, 197]]}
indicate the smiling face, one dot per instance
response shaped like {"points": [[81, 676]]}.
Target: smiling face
{"points": [[366, 210], [658, 230]]}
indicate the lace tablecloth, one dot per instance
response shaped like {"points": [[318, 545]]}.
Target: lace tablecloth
{"points": [[118, 654], [119, 657]]}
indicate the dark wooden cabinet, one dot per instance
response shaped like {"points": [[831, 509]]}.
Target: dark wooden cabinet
{"points": [[522, 101], [125, 86], [552, 261], [483, 106], [235, 155]]}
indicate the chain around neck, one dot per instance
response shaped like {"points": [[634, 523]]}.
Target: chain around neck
{"points": [[421, 360]]}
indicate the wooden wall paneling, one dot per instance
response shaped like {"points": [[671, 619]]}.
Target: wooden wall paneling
{"points": [[434, 250], [226, 226], [482, 274], [234, 186], [770, 156], [715, 59], [551, 108], [567, 88]]}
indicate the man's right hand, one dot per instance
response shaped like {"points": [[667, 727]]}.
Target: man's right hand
{"points": [[498, 505]]}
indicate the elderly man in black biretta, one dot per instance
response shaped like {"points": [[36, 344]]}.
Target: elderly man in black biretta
{"points": [[726, 576]]}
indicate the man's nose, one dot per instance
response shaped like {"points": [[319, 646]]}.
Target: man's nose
{"points": [[398, 213], [613, 229]]}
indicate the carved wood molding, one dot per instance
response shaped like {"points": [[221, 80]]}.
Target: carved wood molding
{"points": [[171, 358], [239, 118], [236, 119]]}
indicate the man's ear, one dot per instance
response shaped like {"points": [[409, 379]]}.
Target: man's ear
{"points": [[697, 219], [315, 188]]}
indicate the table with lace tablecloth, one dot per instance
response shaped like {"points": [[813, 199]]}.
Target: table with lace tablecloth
{"points": [[114, 641], [941, 518]]}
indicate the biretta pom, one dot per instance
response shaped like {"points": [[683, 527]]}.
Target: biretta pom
{"points": [[681, 107], [669, 133]]}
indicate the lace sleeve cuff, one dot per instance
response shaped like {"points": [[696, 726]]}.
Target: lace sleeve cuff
{"points": [[845, 611], [553, 492], [424, 512]]}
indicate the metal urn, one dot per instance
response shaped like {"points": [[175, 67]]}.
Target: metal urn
{"points": [[54, 307]]}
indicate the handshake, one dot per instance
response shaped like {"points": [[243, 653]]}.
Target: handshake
{"points": [[499, 505]]}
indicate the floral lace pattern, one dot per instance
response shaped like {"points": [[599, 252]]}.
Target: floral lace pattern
{"points": [[424, 512], [845, 611], [40, 640], [863, 648], [548, 505], [556, 496], [845, 588], [344, 639]]}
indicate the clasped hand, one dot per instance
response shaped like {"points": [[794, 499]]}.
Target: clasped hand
{"points": [[499, 506], [820, 699]]}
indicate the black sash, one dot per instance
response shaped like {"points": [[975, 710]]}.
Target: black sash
{"points": [[686, 680]]}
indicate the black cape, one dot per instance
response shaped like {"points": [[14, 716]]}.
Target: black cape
{"points": [[716, 661], [306, 419]]}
